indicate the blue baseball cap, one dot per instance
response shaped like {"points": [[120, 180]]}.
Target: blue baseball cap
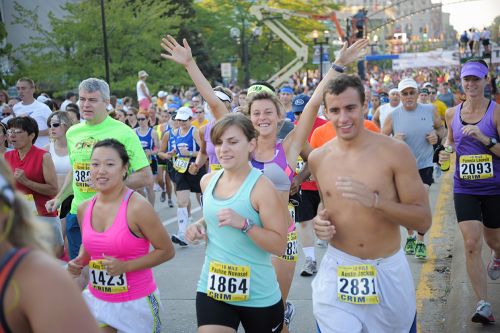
{"points": [[299, 102]]}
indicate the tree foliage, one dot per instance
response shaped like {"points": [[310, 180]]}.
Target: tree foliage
{"points": [[5, 57], [72, 48], [267, 53]]}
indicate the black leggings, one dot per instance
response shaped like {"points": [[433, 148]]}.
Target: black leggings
{"points": [[254, 320]]}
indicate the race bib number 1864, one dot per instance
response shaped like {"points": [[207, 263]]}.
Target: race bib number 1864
{"points": [[228, 282]]}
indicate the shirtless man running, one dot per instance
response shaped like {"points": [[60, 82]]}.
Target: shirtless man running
{"points": [[364, 282]]}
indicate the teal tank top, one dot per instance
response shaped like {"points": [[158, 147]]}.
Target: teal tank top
{"points": [[228, 247]]}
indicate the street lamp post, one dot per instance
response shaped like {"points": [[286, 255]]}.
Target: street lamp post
{"points": [[105, 41], [240, 38], [326, 36]]}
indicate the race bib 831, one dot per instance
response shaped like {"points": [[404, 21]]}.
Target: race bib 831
{"points": [[357, 284]]}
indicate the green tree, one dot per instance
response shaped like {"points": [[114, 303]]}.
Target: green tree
{"points": [[6, 57], [267, 53], [72, 49], [495, 30]]}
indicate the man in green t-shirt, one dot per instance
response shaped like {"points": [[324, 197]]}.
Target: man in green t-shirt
{"points": [[93, 99]]}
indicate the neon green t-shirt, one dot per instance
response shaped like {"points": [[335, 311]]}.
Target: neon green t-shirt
{"points": [[82, 138]]}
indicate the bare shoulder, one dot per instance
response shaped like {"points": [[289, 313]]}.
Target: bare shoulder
{"points": [[389, 149], [139, 209], [451, 112], [318, 154], [47, 270], [205, 180], [83, 207]]}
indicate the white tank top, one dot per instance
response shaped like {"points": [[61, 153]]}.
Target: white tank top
{"points": [[140, 94], [385, 110], [62, 164]]}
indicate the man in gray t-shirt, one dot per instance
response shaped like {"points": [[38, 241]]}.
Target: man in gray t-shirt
{"points": [[417, 125]]}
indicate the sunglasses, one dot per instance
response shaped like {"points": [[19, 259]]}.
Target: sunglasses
{"points": [[199, 112], [6, 114], [412, 93], [130, 114], [55, 125], [141, 119], [184, 121]]}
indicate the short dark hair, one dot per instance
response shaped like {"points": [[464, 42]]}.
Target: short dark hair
{"points": [[117, 146], [25, 123], [341, 83], [233, 119], [72, 107], [3, 128], [70, 94]]}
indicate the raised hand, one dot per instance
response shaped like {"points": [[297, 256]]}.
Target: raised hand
{"points": [[351, 53], [181, 54]]}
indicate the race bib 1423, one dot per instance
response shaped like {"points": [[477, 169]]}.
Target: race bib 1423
{"points": [[100, 279]]}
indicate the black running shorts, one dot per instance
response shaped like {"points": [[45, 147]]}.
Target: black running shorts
{"points": [[426, 175], [254, 320], [186, 181], [308, 206], [484, 208]]}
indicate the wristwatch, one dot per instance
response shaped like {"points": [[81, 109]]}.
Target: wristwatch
{"points": [[340, 69], [493, 142], [247, 226]]}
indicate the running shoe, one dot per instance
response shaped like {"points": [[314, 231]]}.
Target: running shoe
{"points": [[483, 313], [289, 313], [410, 245], [420, 250], [170, 203], [309, 267], [494, 268], [163, 196], [179, 239]]}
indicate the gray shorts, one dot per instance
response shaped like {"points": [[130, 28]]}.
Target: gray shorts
{"points": [[55, 226]]}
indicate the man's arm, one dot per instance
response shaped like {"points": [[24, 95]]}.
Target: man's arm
{"points": [[438, 125], [140, 178], [413, 210], [376, 118], [387, 125]]}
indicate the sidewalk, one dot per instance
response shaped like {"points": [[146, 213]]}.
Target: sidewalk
{"points": [[462, 301]]}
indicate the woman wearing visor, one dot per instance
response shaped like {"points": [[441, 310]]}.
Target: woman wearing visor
{"points": [[473, 133]]}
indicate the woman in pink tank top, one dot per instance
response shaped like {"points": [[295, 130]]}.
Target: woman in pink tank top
{"points": [[118, 228]]}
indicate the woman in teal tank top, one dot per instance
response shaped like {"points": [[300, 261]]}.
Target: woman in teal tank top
{"points": [[245, 224]]}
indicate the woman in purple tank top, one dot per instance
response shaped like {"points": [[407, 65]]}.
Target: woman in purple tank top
{"points": [[474, 128]]}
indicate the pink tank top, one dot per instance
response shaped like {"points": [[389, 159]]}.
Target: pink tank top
{"points": [[118, 242]]}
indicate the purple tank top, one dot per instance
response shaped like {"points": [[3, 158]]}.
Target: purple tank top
{"points": [[277, 170], [477, 168], [209, 146]]}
